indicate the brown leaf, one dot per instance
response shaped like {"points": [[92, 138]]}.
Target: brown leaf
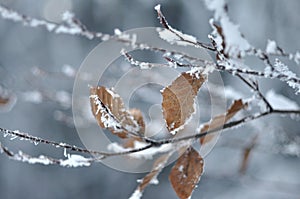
{"points": [[246, 154], [178, 99], [220, 120], [109, 111], [138, 116], [3, 101], [150, 178], [186, 173], [158, 165]]}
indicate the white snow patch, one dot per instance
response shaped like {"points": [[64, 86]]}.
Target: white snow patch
{"points": [[217, 6], [271, 47], [75, 160], [32, 160], [174, 36], [235, 42], [137, 194], [157, 7], [297, 57], [145, 154]]}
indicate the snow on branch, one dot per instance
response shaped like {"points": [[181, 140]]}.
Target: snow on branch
{"points": [[178, 99], [73, 160], [70, 26], [227, 36], [172, 35]]}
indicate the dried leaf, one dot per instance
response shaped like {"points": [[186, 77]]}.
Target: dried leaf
{"points": [[138, 116], [158, 165], [109, 111], [178, 100], [246, 154], [3, 101], [186, 173], [220, 120], [150, 178]]}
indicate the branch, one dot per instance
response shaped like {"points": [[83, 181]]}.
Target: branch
{"points": [[183, 37], [37, 140], [71, 26]]}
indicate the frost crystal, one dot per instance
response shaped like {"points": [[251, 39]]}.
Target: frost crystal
{"points": [[235, 43], [145, 154], [174, 36], [106, 117], [136, 195], [75, 161], [284, 70], [297, 57]]}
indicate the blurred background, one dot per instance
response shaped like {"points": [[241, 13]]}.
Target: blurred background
{"points": [[37, 67]]}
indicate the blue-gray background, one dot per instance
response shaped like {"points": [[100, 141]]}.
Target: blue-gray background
{"points": [[270, 175]]}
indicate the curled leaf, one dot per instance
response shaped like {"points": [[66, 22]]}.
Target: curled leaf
{"points": [[186, 173], [109, 111], [178, 99], [220, 120]]}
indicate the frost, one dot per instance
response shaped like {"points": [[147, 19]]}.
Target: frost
{"points": [[137, 194], [157, 7], [142, 65], [13, 137], [145, 154], [145, 65], [180, 169], [198, 71], [271, 47], [65, 152], [106, 118], [154, 181], [117, 31], [284, 70], [75, 161], [174, 36], [235, 42], [297, 57], [8, 14], [278, 101], [217, 6], [32, 160]]}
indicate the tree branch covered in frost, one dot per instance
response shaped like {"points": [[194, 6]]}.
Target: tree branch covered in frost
{"points": [[72, 160], [230, 47], [71, 25]]}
